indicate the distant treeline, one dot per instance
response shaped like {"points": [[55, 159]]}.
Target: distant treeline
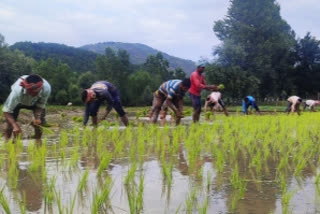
{"points": [[259, 55], [74, 70]]}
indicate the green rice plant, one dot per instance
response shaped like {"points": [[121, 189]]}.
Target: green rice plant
{"points": [[57, 196], [22, 204], [167, 172], [83, 181], [104, 163], [74, 157], [131, 173], [49, 189], [285, 200], [203, 209], [100, 199], [191, 201], [135, 196], [4, 202]]}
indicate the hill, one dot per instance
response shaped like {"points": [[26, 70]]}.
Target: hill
{"points": [[139, 53], [78, 59]]}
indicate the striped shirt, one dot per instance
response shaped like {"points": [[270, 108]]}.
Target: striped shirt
{"points": [[171, 88], [19, 95]]}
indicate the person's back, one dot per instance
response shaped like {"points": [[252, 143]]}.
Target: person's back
{"points": [[215, 96], [249, 101], [171, 88]]}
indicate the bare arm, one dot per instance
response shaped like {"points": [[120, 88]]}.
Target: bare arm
{"points": [[13, 123]]}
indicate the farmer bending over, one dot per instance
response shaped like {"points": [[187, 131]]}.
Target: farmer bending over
{"points": [[100, 92], [294, 104], [215, 102], [170, 94], [311, 104], [28, 92], [249, 101]]}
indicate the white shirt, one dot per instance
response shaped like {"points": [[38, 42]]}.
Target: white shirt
{"points": [[311, 103], [215, 97], [19, 95]]}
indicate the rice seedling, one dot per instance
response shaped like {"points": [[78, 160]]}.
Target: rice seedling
{"points": [[83, 181], [104, 163], [100, 199], [22, 204], [4, 202]]}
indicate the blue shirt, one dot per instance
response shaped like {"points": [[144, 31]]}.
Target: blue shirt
{"points": [[19, 95], [251, 102], [171, 88]]}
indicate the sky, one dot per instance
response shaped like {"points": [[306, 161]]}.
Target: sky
{"points": [[181, 28]]}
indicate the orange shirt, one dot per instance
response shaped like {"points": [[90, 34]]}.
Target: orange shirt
{"points": [[197, 83]]}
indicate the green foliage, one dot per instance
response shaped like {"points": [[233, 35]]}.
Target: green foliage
{"points": [[139, 54], [258, 42], [12, 65], [78, 59]]}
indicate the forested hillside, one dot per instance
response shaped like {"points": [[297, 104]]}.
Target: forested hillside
{"points": [[140, 52], [70, 70], [78, 59]]}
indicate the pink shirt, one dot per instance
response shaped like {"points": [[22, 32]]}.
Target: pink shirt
{"points": [[197, 83]]}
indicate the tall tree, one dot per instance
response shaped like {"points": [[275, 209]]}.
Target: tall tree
{"points": [[257, 40], [12, 65], [114, 66], [307, 69]]}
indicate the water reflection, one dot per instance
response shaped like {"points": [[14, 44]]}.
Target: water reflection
{"points": [[30, 187]]}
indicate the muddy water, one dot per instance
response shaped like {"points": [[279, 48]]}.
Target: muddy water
{"points": [[262, 193]]}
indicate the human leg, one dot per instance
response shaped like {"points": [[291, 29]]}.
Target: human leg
{"points": [[158, 100], [196, 104]]}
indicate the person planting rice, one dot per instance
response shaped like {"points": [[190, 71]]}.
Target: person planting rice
{"points": [[311, 104], [98, 93], [197, 84], [294, 104], [215, 102], [170, 94], [249, 101], [28, 92]]}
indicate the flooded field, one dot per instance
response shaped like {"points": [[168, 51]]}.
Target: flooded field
{"points": [[237, 164]]}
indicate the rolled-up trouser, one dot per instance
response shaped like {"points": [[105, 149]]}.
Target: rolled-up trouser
{"points": [[15, 115], [158, 100]]}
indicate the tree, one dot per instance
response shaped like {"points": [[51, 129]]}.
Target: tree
{"points": [[307, 69], [178, 73], [138, 82], [86, 80], [258, 41], [238, 83], [114, 66], [13, 64]]}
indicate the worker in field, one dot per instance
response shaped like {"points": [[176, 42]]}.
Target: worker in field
{"points": [[249, 101], [197, 84], [294, 104], [311, 104], [28, 92], [169, 95], [97, 94], [214, 102]]}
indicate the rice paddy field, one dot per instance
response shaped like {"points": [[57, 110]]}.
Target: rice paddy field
{"points": [[238, 164]]}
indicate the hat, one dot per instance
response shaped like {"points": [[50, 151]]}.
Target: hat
{"points": [[201, 64]]}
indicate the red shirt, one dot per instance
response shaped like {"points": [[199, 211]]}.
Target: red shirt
{"points": [[197, 83]]}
